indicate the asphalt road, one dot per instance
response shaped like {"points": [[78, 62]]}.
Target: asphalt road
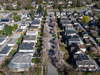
{"points": [[52, 70]]}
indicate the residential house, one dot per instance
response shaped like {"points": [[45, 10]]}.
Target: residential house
{"points": [[78, 49], [21, 61], [85, 36], [6, 50], [87, 41], [27, 48], [36, 22], [3, 39], [73, 39], [2, 26], [58, 13], [34, 28], [68, 12], [36, 14], [79, 28], [69, 27], [70, 32], [75, 22], [85, 63], [30, 39], [63, 13], [12, 42], [7, 21], [32, 32], [14, 4], [38, 17], [33, 4], [85, 26], [20, 31], [50, 1]]}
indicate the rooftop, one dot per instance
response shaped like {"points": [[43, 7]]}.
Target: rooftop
{"points": [[35, 21], [12, 41], [29, 37], [26, 46]]}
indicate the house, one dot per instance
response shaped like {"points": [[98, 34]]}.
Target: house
{"points": [[75, 22], [38, 17], [3, 15], [97, 38], [33, 4], [7, 21], [12, 41], [3, 39], [23, 26], [30, 39], [85, 26], [63, 13], [74, 39], [28, 20], [32, 32], [36, 14], [21, 61], [35, 22], [50, 1], [2, 26], [70, 32], [69, 27], [16, 35], [20, 31], [14, 4], [85, 36], [65, 23], [68, 12], [48, 5], [93, 32], [34, 28], [87, 41], [58, 13], [6, 50], [27, 48], [84, 63], [78, 49], [79, 28]]}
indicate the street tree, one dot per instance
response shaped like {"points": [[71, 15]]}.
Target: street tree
{"points": [[40, 9], [86, 19], [32, 13], [60, 8]]}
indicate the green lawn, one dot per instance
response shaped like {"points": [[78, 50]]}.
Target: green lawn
{"points": [[63, 48], [12, 52], [36, 60]]}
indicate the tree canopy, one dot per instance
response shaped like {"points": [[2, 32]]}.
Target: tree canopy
{"points": [[8, 30], [86, 19], [9, 6], [60, 8], [40, 9], [45, 13], [32, 13], [17, 17]]}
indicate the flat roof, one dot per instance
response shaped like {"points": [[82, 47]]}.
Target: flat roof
{"points": [[29, 37], [19, 30], [12, 41]]}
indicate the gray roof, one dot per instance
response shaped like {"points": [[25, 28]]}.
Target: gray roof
{"points": [[37, 16], [26, 46], [19, 30], [5, 50], [12, 41], [35, 21], [33, 26], [29, 37], [70, 31], [83, 59], [2, 38], [21, 57], [74, 38], [65, 22], [2, 58]]}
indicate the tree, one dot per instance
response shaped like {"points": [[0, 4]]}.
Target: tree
{"points": [[8, 30], [18, 3], [86, 19], [32, 13], [9, 6], [98, 23], [45, 13], [17, 18], [38, 2], [60, 8], [40, 9], [78, 3], [1, 32], [28, 6], [66, 56]]}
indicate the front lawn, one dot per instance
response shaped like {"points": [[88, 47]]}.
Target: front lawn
{"points": [[12, 52], [63, 48], [36, 60]]}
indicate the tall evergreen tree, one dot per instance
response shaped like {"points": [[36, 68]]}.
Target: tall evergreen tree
{"points": [[60, 8], [40, 9], [32, 13]]}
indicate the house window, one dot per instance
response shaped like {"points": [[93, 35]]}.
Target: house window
{"points": [[91, 65], [86, 66]]}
